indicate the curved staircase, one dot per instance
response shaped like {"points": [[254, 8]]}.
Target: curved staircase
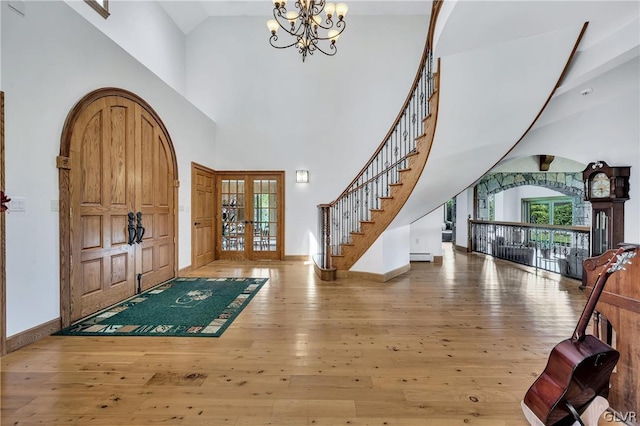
{"points": [[348, 226], [362, 238]]}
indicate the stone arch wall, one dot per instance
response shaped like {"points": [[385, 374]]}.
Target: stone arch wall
{"points": [[569, 184]]}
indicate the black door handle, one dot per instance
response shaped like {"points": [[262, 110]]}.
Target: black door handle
{"points": [[131, 228], [139, 228], [196, 223]]}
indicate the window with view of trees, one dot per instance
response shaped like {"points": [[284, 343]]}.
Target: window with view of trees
{"points": [[548, 211]]}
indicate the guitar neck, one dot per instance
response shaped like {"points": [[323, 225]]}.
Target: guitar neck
{"points": [[617, 262], [590, 307]]}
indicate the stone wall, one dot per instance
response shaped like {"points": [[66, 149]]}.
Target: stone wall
{"points": [[569, 184]]}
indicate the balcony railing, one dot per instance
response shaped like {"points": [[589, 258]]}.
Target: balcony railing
{"points": [[553, 248]]}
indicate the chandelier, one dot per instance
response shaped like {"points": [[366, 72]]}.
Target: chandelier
{"points": [[310, 30]]}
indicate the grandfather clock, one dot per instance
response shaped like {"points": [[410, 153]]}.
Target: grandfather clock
{"points": [[607, 188]]}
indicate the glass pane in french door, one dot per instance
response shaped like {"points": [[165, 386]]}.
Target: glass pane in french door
{"points": [[233, 214], [265, 214]]}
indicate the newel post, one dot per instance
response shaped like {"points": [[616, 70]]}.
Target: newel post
{"points": [[324, 233]]}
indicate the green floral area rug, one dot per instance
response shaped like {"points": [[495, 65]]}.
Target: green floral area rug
{"points": [[193, 307]]}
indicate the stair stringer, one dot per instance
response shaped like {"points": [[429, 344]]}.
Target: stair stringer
{"points": [[399, 192]]}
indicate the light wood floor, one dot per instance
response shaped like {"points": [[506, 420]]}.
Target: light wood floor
{"points": [[451, 344]]}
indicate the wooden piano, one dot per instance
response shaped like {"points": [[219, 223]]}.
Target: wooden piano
{"points": [[617, 322]]}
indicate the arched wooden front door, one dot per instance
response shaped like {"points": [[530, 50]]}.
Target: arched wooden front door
{"points": [[118, 192]]}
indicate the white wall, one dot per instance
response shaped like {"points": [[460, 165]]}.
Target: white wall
{"points": [[501, 212], [326, 115], [426, 233], [388, 252], [50, 59], [508, 203], [143, 29], [464, 208]]}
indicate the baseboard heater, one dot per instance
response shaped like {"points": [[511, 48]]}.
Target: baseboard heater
{"points": [[420, 257]]}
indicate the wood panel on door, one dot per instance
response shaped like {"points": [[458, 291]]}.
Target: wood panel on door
{"points": [[202, 193], [250, 215], [154, 199], [102, 187], [120, 165]]}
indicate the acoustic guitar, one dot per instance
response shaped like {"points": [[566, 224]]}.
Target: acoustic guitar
{"points": [[579, 368]]}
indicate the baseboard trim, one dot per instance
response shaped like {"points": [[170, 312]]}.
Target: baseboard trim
{"points": [[184, 271], [438, 260], [297, 258], [397, 272], [382, 278], [360, 275], [460, 248], [32, 335]]}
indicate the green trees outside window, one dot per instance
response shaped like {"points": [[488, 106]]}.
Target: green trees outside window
{"points": [[548, 211]]}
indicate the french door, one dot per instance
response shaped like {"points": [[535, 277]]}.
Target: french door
{"points": [[250, 215]]}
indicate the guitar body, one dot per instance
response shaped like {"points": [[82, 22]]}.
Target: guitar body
{"points": [[577, 372]]}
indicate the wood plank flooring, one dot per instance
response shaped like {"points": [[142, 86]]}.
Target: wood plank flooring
{"points": [[452, 344]]}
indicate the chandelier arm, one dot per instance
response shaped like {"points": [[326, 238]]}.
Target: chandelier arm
{"points": [[280, 19], [317, 8], [279, 12], [329, 24], [335, 35], [317, 47], [340, 26], [274, 38]]}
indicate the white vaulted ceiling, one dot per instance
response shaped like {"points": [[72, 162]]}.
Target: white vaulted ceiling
{"points": [[188, 14]]}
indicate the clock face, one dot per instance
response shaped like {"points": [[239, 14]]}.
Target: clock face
{"points": [[600, 186]]}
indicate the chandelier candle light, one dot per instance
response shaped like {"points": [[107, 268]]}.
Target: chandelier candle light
{"points": [[310, 29]]}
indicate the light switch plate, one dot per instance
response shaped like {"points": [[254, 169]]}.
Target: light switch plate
{"points": [[18, 204]]}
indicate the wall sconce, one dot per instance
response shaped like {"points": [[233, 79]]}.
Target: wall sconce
{"points": [[302, 176]]}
